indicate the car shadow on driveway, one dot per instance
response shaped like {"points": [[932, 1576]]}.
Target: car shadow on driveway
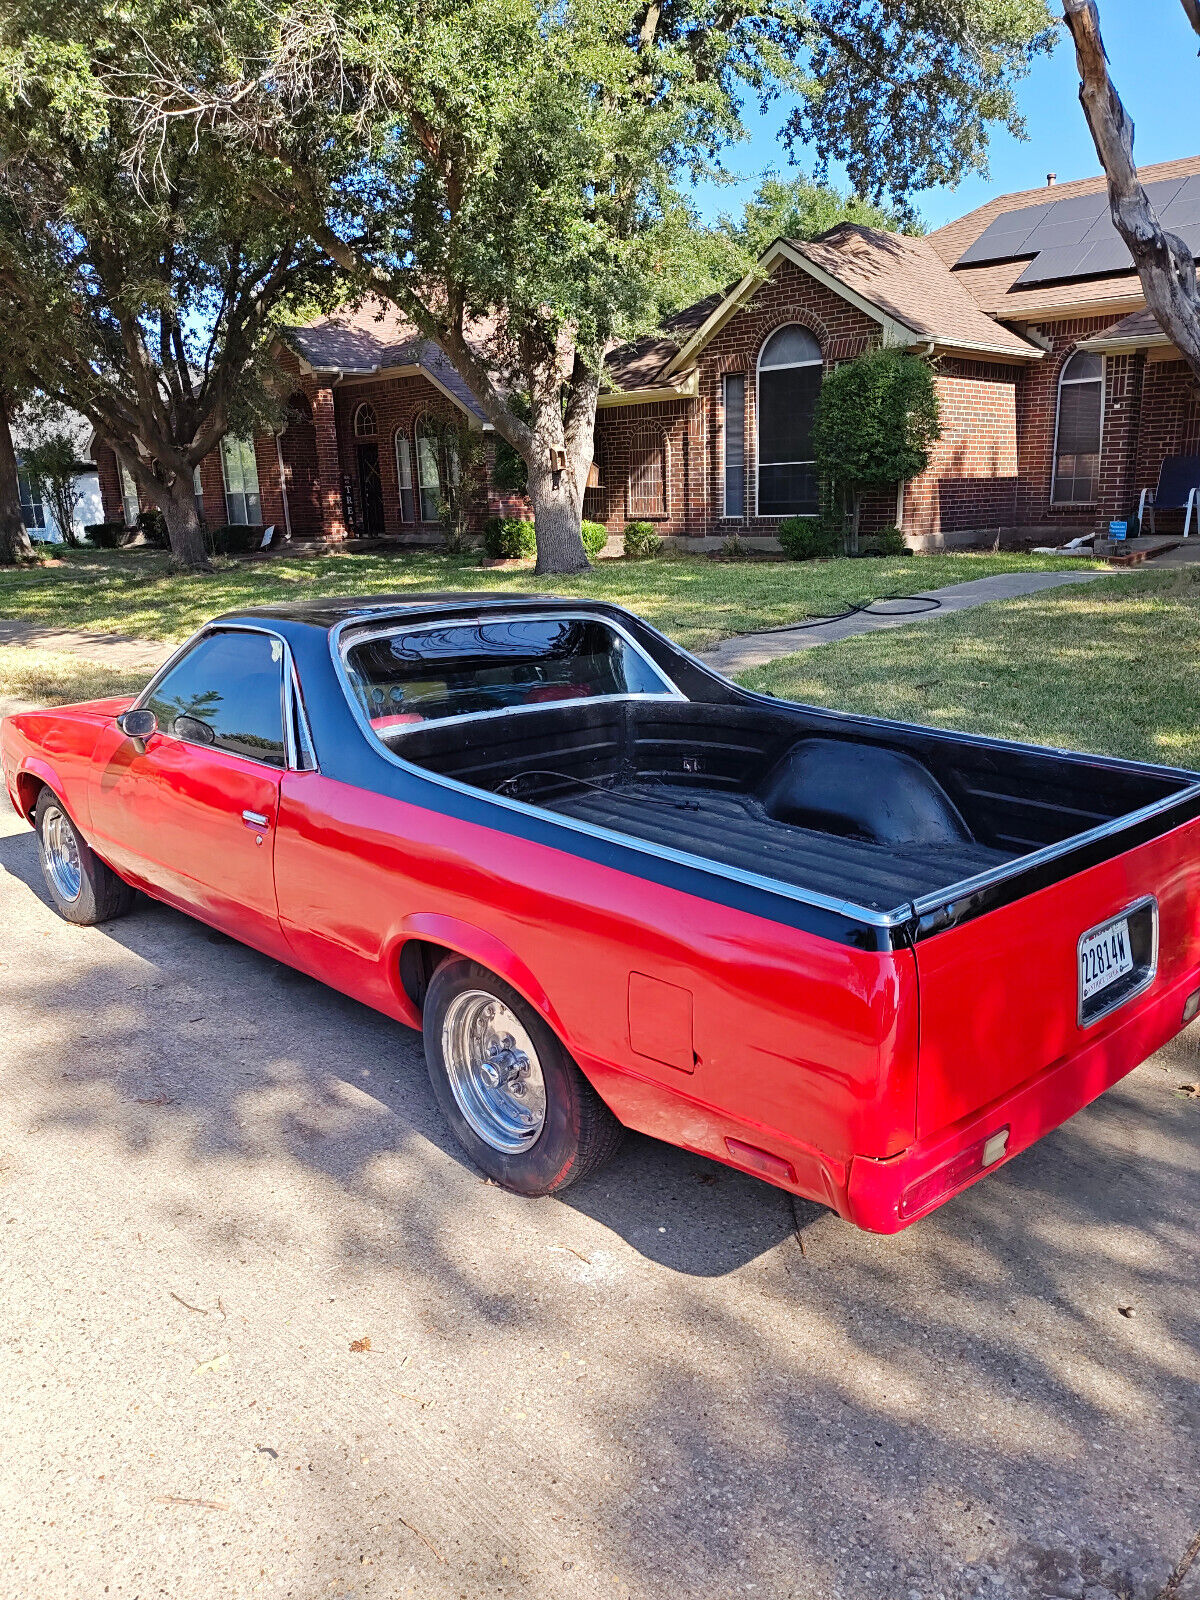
{"points": [[774, 1398]]}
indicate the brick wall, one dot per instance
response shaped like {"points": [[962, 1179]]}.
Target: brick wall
{"points": [[970, 483], [398, 404], [110, 483], [668, 433], [1169, 426]]}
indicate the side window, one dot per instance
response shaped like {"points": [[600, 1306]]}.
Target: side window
{"points": [[232, 684]]}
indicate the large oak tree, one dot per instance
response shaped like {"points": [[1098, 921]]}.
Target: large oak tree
{"points": [[143, 291], [504, 170]]}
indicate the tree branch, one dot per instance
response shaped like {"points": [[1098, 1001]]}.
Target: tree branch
{"points": [[1164, 262]]}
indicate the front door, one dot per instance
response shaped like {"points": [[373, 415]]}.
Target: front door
{"points": [[371, 488], [192, 815]]}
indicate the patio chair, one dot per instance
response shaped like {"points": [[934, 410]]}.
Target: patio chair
{"points": [[1178, 490]]}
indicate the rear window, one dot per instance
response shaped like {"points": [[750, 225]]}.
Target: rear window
{"points": [[410, 675]]}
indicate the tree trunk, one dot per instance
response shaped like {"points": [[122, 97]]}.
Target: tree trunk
{"points": [[14, 541], [1165, 265], [557, 520], [178, 506]]}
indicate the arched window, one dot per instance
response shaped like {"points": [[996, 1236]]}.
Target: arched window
{"points": [[1077, 431], [789, 380], [428, 479], [404, 477], [366, 425]]}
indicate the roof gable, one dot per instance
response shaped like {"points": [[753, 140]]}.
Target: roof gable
{"points": [[896, 280]]}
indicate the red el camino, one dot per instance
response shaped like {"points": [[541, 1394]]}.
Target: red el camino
{"points": [[866, 961]]}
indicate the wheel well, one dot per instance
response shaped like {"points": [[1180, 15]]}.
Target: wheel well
{"points": [[419, 960], [28, 790]]}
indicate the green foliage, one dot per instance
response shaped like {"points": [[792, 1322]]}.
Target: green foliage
{"points": [[808, 539], [235, 539], [139, 269], [508, 538], [595, 537], [876, 418], [52, 467], [106, 535], [642, 540], [884, 542], [153, 528]]}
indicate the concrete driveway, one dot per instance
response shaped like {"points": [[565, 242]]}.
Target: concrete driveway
{"points": [[219, 1181]]}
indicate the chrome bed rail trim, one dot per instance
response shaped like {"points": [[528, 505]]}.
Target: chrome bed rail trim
{"points": [[1050, 853]]}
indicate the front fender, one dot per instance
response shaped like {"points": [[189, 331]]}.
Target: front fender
{"points": [[477, 945]]}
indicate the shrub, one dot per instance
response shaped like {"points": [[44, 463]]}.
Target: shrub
{"points": [[595, 537], [808, 539], [507, 538], [642, 539], [887, 542], [236, 539], [153, 526], [106, 535]]}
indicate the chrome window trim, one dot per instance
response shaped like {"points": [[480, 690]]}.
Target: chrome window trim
{"points": [[289, 687], [716, 869], [1146, 902], [672, 690]]}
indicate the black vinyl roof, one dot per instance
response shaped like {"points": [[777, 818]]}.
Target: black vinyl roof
{"points": [[327, 613]]}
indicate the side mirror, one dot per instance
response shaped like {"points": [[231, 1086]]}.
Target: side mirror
{"points": [[138, 725]]}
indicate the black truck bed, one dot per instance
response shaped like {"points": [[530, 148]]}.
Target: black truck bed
{"points": [[737, 831]]}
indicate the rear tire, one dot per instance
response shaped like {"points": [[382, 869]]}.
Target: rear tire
{"points": [[517, 1103], [82, 888]]}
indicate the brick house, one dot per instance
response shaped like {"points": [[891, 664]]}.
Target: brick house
{"points": [[1059, 395]]}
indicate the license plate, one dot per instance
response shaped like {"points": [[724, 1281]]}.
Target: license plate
{"points": [[1104, 957]]}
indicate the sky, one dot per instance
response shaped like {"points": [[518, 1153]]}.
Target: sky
{"points": [[1153, 61]]}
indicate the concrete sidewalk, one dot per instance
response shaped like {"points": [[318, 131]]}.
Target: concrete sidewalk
{"points": [[115, 650], [746, 650]]}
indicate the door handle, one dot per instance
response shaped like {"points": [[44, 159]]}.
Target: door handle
{"points": [[256, 819]]}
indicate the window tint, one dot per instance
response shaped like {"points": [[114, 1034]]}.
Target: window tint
{"points": [[233, 683], [419, 674]]}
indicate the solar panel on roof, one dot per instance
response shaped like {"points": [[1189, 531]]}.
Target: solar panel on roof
{"points": [[1075, 237]]}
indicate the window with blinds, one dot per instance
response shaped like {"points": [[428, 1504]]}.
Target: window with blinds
{"points": [[735, 444], [1078, 431], [648, 479]]}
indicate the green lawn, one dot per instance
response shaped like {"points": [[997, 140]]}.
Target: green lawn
{"points": [[694, 599], [1111, 666], [55, 678]]}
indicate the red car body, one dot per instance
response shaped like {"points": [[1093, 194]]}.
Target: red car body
{"points": [[866, 1077]]}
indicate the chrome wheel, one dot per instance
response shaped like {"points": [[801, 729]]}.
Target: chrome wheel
{"points": [[60, 852], [494, 1072]]}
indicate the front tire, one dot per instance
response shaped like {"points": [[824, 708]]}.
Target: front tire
{"points": [[82, 888], [517, 1103]]}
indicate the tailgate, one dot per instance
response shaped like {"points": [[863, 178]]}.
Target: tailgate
{"points": [[1000, 994]]}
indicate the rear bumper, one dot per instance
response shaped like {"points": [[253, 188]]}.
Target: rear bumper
{"points": [[880, 1193]]}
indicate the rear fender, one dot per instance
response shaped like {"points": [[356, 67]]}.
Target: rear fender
{"points": [[477, 945]]}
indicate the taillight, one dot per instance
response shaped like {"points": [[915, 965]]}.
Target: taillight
{"points": [[952, 1174]]}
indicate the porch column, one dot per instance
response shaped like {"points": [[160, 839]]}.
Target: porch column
{"points": [[1123, 375], [329, 467]]}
